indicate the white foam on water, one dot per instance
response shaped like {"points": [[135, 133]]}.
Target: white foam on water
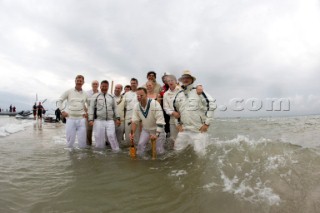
{"points": [[238, 161], [229, 184], [242, 139], [178, 173], [257, 193], [11, 128], [3, 132], [209, 186], [99, 152], [275, 162], [59, 140]]}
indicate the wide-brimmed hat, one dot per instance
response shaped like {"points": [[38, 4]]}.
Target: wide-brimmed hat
{"points": [[185, 74]]}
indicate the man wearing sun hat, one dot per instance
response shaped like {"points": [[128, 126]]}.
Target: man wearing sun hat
{"points": [[195, 115]]}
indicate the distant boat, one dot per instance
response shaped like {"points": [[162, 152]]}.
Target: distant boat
{"points": [[9, 113], [24, 115], [50, 119]]}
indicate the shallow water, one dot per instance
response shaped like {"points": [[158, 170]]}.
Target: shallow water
{"points": [[251, 165]]}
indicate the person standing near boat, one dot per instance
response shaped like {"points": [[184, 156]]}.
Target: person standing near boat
{"points": [[149, 112], [34, 110], [102, 116], [57, 112], [40, 110], [77, 113], [90, 93], [196, 115]]}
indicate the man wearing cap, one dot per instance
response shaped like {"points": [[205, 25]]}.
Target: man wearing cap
{"points": [[196, 115], [151, 76]]}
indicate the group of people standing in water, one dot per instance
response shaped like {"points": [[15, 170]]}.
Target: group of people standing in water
{"points": [[37, 110], [180, 114]]}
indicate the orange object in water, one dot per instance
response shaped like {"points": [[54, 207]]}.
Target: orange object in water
{"points": [[132, 150]]}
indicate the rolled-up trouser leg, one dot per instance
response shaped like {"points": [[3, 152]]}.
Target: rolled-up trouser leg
{"points": [[111, 134], [99, 128]]}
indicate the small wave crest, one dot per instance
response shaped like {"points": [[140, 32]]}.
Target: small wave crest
{"points": [[250, 168], [12, 128]]}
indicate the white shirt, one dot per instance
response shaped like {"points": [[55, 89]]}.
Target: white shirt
{"points": [[151, 116], [130, 100], [120, 105], [77, 101], [168, 99]]}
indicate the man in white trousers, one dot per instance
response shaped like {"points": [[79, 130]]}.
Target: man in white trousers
{"points": [[103, 116], [77, 113], [149, 112], [196, 115]]}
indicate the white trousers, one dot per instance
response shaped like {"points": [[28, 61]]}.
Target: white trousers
{"points": [[173, 129], [199, 141], [103, 130], [145, 138], [128, 130], [76, 127]]}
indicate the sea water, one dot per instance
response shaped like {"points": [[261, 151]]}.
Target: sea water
{"points": [[250, 165]]}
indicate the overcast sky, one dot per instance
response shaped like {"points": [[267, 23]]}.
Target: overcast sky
{"points": [[238, 49]]}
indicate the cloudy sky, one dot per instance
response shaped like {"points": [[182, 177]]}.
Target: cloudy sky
{"points": [[238, 49]]}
